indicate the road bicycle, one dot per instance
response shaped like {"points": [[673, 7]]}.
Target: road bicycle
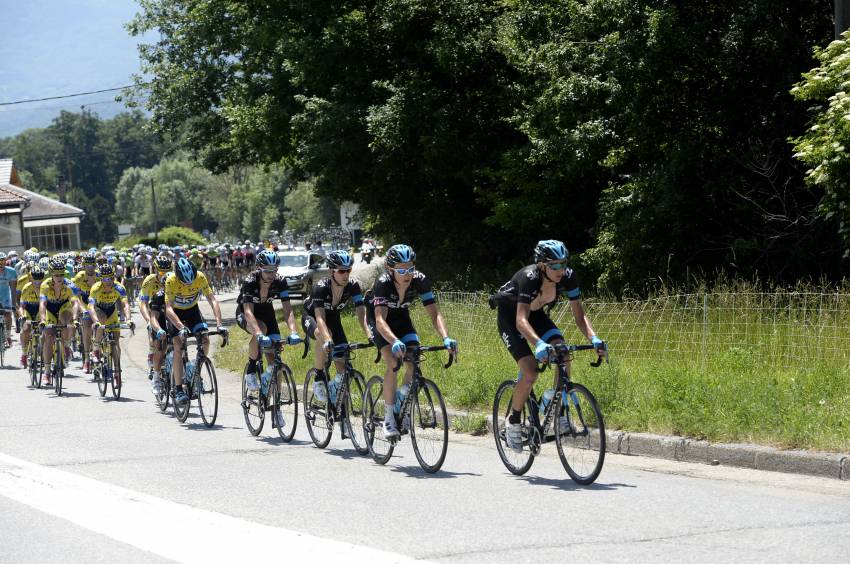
{"points": [[106, 370], [422, 413], [35, 364], [3, 334], [572, 412], [199, 379], [57, 370], [278, 395], [345, 404]]}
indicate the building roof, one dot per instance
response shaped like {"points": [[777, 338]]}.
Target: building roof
{"points": [[8, 197], [42, 207], [8, 172]]}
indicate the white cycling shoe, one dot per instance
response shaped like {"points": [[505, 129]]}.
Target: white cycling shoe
{"points": [[513, 436], [320, 391]]}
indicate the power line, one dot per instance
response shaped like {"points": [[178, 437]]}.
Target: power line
{"points": [[68, 95]]}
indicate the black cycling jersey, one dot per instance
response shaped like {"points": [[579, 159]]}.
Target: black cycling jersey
{"points": [[384, 293], [250, 293], [526, 284], [322, 296]]}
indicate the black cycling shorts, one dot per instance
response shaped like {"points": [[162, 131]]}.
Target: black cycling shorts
{"points": [[513, 339], [263, 316], [191, 318], [309, 324], [401, 326]]}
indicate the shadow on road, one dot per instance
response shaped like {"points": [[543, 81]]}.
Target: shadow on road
{"points": [[567, 484], [72, 395], [346, 453], [122, 399], [418, 472], [277, 441]]}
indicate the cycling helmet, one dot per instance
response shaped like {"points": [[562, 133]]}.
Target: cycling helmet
{"points": [[89, 259], [398, 254], [44, 263], [185, 271], [2, 255], [36, 273], [57, 266], [267, 258], [163, 263], [339, 259], [105, 271], [550, 249]]}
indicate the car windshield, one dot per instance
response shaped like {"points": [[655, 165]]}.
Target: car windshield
{"points": [[293, 260]]}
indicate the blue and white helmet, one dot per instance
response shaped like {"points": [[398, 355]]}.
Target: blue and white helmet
{"points": [[550, 249], [398, 254], [267, 258], [339, 259], [185, 271]]}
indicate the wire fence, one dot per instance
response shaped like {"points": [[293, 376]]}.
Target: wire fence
{"points": [[784, 328]]}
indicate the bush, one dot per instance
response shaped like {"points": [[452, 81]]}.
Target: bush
{"points": [[174, 235]]}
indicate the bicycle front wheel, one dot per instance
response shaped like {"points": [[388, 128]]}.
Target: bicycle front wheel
{"points": [[35, 364], [379, 446], [58, 373], [252, 408], [354, 412], [206, 389], [115, 381], [517, 462], [429, 426], [164, 395], [2, 342], [580, 433], [317, 412], [285, 396]]}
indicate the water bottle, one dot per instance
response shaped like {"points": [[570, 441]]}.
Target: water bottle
{"points": [[190, 370], [400, 394], [333, 387], [265, 378], [169, 358], [546, 400]]}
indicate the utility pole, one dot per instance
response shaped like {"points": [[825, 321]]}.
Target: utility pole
{"points": [[155, 217], [842, 17]]}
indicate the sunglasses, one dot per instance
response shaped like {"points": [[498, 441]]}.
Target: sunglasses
{"points": [[269, 270], [403, 271], [557, 265], [107, 279]]}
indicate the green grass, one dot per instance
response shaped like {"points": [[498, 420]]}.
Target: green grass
{"points": [[726, 366]]}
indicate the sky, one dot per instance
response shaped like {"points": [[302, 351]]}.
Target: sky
{"points": [[57, 47]]}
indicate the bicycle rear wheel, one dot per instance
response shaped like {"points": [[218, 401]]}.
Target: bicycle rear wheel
{"points": [[379, 446], [206, 388], [316, 413], [429, 426], [34, 362], [58, 368], [181, 412], [353, 422], [516, 462], [581, 446], [286, 402], [99, 373], [252, 408], [115, 381], [164, 395], [2, 341]]}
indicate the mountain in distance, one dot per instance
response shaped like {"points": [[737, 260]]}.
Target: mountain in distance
{"points": [[57, 47]]}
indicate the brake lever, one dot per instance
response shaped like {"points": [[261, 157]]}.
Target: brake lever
{"points": [[306, 346]]}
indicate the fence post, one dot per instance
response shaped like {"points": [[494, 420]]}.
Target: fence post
{"points": [[704, 328]]}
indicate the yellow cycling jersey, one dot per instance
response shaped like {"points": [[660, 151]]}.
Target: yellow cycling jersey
{"points": [[150, 287], [29, 294], [57, 299], [81, 281], [185, 296], [105, 298], [23, 280]]}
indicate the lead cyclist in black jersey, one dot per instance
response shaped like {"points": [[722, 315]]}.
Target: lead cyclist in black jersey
{"points": [[521, 320], [321, 321], [389, 321]]}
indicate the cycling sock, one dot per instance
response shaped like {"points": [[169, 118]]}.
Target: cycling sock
{"points": [[514, 417], [252, 365]]}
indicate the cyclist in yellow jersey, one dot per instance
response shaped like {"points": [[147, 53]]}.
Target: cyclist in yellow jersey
{"points": [[183, 289], [84, 280], [28, 301], [152, 308], [57, 299], [105, 298]]}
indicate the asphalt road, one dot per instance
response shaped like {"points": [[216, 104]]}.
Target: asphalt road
{"points": [[83, 479]]}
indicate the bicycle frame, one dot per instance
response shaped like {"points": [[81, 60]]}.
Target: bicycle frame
{"points": [[414, 355], [342, 352]]}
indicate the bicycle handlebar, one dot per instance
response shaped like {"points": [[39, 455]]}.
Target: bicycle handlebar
{"points": [[204, 332], [421, 349], [559, 349], [278, 345]]}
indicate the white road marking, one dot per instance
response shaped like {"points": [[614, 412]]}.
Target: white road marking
{"points": [[172, 530]]}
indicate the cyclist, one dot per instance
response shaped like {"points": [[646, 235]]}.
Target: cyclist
{"points": [[57, 305], [104, 299], [521, 320], [390, 325], [8, 295], [152, 308], [28, 300], [182, 292], [255, 313], [321, 320], [83, 281]]}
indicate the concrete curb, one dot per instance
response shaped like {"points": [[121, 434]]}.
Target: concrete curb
{"points": [[757, 457]]}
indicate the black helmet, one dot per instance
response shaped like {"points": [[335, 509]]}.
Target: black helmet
{"points": [[89, 259], [339, 259], [399, 253], [550, 249], [36, 273], [163, 263]]}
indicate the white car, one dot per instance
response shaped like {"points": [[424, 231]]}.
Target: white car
{"points": [[302, 269]]}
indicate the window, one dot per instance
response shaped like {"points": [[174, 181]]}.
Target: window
{"points": [[11, 234], [53, 237]]}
